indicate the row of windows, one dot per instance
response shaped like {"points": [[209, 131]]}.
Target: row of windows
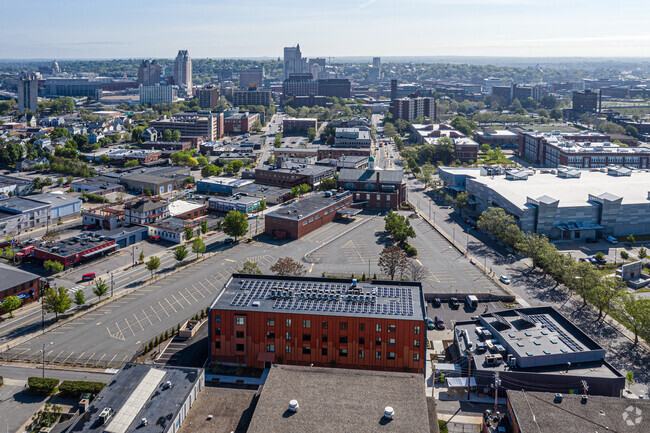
{"points": [[343, 326], [343, 353]]}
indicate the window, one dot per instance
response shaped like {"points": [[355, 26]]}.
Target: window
{"points": [[217, 331], [239, 334], [378, 354], [391, 329], [323, 351], [317, 216], [306, 337], [416, 330], [270, 347], [362, 327], [217, 344], [270, 322], [306, 350], [362, 354], [416, 343], [391, 342], [378, 341], [311, 220], [324, 325], [288, 336], [362, 341], [288, 322], [217, 318], [304, 223], [326, 212], [343, 326], [324, 338], [416, 357], [378, 327], [343, 339], [306, 323], [239, 320], [287, 349], [239, 347], [270, 334], [343, 353]]}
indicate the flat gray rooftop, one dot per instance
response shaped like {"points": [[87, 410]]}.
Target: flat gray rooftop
{"points": [[12, 277], [340, 400], [322, 296], [308, 206], [160, 405]]}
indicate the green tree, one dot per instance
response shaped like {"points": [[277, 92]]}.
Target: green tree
{"points": [[202, 160], [262, 206], [299, 190], [198, 246], [210, 170], [630, 239], [204, 227], [538, 248], [147, 192], [100, 289], [608, 290], [10, 304], [464, 125], [153, 264], [637, 314], [167, 135], [235, 224], [398, 226], [56, 301], [53, 266], [287, 266], [629, 378], [278, 140], [461, 201], [642, 253], [189, 233], [555, 113], [485, 147], [389, 130], [79, 297], [176, 135], [180, 252], [631, 130], [141, 258], [311, 134], [250, 268], [625, 255], [501, 225], [131, 163]]}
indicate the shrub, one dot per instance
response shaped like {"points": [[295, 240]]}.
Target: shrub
{"points": [[42, 386], [411, 251], [74, 388]]}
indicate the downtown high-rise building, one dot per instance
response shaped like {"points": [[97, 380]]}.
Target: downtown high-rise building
{"points": [[251, 77], [27, 93], [294, 62], [183, 71], [149, 73]]}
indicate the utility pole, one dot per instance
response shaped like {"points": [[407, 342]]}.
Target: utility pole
{"points": [[497, 383], [133, 253], [469, 375], [111, 284]]}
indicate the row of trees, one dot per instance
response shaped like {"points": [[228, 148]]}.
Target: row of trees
{"points": [[607, 293]]}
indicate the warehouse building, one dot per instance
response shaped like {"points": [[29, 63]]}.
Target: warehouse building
{"points": [[239, 203], [258, 320], [220, 185], [16, 282], [72, 251], [565, 203]]}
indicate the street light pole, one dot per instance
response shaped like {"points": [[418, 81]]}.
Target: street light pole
{"points": [[44, 359], [111, 284]]}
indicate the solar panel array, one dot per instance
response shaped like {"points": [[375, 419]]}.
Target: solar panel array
{"points": [[563, 336], [502, 321], [327, 297]]}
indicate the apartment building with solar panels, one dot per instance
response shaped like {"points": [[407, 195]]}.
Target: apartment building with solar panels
{"points": [[259, 320]]}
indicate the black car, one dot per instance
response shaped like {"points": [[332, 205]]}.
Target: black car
{"points": [[453, 302], [228, 240], [592, 241], [436, 302]]}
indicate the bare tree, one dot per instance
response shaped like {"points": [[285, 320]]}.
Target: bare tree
{"points": [[416, 272], [393, 260], [288, 266]]}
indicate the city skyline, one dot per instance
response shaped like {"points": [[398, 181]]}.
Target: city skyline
{"points": [[497, 28]]}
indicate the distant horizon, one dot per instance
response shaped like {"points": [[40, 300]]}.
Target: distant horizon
{"points": [[83, 30]]}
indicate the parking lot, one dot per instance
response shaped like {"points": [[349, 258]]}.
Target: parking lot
{"points": [[358, 252]]}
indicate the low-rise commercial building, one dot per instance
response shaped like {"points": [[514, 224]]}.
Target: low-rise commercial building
{"points": [[289, 175], [220, 185], [237, 123], [19, 214], [72, 251], [175, 146], [145, 211], [143, 398], [21, 284], [291, 125], [352, 137], [503, 138], [299, 218], [465, 149], [374, 189], [240, 203], [258, 320], [155, 184], [272, 195], [186, 209], [172, 229], [338, 152]]}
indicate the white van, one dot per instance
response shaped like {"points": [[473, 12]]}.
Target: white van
{"points": [[611, 240], [471, 301]]}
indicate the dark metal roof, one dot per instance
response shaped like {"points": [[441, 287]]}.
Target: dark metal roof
{"points": [[12, 277], [368, 175]]}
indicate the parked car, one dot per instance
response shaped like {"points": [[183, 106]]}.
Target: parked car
{"points": [[431, 325], [611, 239], [599, 260], [228, 241], [156, 238], [504, 279], [440, 324], [453, 302], [592, 241], [436, 302]]}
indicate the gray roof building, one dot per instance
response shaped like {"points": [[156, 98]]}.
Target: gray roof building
{"points": [[13, 277], [340, 400], [160, 395]]}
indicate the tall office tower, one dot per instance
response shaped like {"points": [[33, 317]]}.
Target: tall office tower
{"points": [[376, 62], [393, 89], [149, 73], [293, 62], [27, 93], [183, 71], [252, 77]]}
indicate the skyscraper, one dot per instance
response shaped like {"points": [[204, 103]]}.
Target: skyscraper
{"points": [[293, 62], [149, 73], [376, 62], [183, 71], [27, 93]]}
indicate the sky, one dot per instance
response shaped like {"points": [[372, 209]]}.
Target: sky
{"points": [[74, 29]]}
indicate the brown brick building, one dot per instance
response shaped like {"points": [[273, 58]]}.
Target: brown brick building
{"points": [[262, 319], [290, 175], [374, 189], [304, 216]]}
